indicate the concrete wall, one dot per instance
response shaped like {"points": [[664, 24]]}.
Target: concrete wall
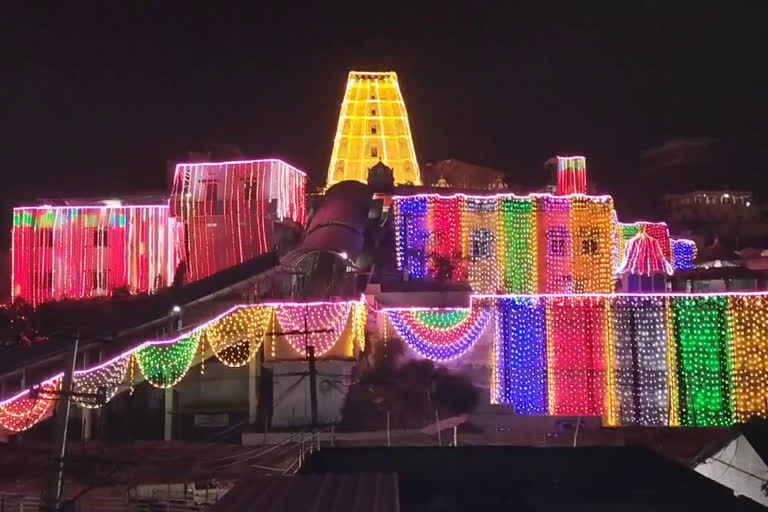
{"points": [[291, 392], [739, 467]]}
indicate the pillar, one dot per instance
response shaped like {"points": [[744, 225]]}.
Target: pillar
{"points": [[253, 397], [86, 414], [168, 423]]}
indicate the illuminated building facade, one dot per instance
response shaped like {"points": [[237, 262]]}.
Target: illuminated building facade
{"points": [[228, 210], [373, 126], [88, 251], [220, 215], [506, 243]]}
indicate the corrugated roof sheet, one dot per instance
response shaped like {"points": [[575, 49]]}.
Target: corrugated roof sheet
{"points": [[370, 492]]}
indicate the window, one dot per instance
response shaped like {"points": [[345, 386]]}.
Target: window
{"points": [[373, 96], [247, 188], [99, 280], [373, 111], [373, 129], [589, 238], [100, 237], [374, 151], [45, 279], [589, 246], [210, 192], [46, 237], [557, 241], [481, 243]]}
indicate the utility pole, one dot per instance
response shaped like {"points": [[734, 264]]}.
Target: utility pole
{"points": [[52, 488], [310, 352], [310, 349]]}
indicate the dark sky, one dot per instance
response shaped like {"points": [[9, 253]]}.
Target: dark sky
{"points": [[96, 99]]}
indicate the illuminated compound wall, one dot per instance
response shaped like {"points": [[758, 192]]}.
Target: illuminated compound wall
{"points": [[373, 125], [655, 359], [76, 252], [228, 210], [652, 360]]}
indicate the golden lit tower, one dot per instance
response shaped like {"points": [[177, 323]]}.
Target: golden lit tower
{"points": [[373, 126]]}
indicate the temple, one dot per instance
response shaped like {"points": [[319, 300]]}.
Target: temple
{"points": [[550, 301]]}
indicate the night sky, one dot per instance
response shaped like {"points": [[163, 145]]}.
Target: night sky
{"points": [[97, 99]]}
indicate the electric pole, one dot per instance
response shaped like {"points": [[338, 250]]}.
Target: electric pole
{"points": [[52, 486], [310, 353]]}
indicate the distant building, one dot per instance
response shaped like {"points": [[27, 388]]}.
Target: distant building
{"points": [[712, 204], [462, 175]]}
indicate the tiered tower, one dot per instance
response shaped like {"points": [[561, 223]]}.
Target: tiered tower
{"points": [[373, 126]]}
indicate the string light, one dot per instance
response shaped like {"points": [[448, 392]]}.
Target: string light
{"points": [[517, 228], [577, 356], [165, 365], [108, 377], [24, 412], [640, 351], [591, 229], [703, 361], [440, 335], [508, 243], [373, 124], [236, 338], [683, 254], [360, 316], [748, 318], [554, 233], [521, 355], [637, 359], [298, 317], [571, 175], [222, 209], [86, 251], [644, 256]]}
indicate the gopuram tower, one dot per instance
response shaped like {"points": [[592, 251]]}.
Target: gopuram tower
{"points": [[373, 127]]}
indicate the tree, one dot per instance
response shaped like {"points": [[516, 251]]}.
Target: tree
{"points": [[410, 391]]}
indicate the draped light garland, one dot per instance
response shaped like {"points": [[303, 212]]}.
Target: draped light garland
{"points": [[236, 338], [296, 318], [637, 359], [440, 335], [163, 365], [25, 411], [108, 376]]}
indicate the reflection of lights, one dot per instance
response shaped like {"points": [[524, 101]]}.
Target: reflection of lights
{"points": [[726, 196], [344, 255], [749, 204], [176, 309]]}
